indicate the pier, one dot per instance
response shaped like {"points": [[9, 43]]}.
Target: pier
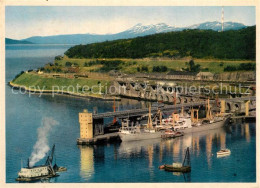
{"points": [[92, 125], [231, 103], [109, 137]]}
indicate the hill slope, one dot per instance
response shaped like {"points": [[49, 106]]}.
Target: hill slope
{"points": [[239, 44]]}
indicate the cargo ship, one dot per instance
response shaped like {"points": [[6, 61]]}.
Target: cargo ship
{"points": [[34, 173], [177, 123]]}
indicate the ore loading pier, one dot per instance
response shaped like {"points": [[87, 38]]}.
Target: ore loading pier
{"points": [[92, 128]]}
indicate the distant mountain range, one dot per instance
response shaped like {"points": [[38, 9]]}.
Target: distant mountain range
{"points": [[12, 41], [135, 31]]}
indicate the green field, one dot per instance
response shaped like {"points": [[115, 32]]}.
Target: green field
{"points": [[88, 86], [130, 66]]}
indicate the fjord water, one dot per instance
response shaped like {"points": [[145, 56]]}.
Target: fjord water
{"points": [[122, 162]]}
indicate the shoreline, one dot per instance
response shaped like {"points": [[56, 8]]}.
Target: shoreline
{"points": [[70, 94]]}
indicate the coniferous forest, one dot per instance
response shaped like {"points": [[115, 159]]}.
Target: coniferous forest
{"points": [[232, 44]]}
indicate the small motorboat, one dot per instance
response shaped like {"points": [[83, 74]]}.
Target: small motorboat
{"points": [[223, 152]]}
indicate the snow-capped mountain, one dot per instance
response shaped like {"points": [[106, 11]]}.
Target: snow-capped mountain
{"points": [[135, 31], [217, 26], [157, 28]]}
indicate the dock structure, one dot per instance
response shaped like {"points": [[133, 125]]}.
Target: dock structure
{"points": [[91, 134], [92, 125], [105, 138], [140, 112]]}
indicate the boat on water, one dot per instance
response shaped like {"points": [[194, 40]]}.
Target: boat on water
{"points": [[184, 167], [204, 125], [33, 173], [139, 132], [175, 123], [133, 133], [191, 124], [170, 133], [223, 152]]}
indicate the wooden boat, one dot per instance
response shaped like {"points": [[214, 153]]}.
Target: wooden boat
{"points": [[171, 168], [179, 167], [223, 152]]}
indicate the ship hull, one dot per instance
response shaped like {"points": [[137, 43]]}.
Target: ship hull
{"points": [[170, 168], [206, 127], [27, 179], [139, 136], [144, 136]]}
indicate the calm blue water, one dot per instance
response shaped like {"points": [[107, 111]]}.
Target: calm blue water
{"points": [[133, 162]]}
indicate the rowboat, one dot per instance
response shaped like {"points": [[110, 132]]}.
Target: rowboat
{"points": [[223, 152]]}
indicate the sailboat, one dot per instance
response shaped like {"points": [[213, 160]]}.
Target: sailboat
{"points": [[184, 167]]}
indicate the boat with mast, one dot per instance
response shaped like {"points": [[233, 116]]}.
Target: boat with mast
{"points": [[194, 124], [184, 167], [133, 133], [175, 123]]}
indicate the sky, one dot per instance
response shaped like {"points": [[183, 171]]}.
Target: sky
{"points": [[26, 21]]}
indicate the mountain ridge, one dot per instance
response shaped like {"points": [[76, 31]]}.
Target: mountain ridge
{"points": [[12, 41], [135, 31]]}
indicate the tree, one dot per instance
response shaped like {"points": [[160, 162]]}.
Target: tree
{"points": [[193, 67], [68, 64], [144, 69], [58, 57], [230, 68]]}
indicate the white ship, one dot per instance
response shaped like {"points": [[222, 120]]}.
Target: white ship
{"points": [[38, 172], [132, 133], [185, 124]]}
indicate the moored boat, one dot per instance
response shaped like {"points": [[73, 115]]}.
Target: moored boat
{"points": [[223, 152], [184, 167], [171, 168], [134, 133]]}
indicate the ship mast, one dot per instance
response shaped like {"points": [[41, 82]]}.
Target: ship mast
{"points": [[187, 157], [114, 107], [192, 114], [182, 108], [173, 119], [174, 102], [160, 117], [149, 123], [208, 113]]}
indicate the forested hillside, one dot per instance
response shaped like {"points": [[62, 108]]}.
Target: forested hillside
{"points": [[239, 44]]}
